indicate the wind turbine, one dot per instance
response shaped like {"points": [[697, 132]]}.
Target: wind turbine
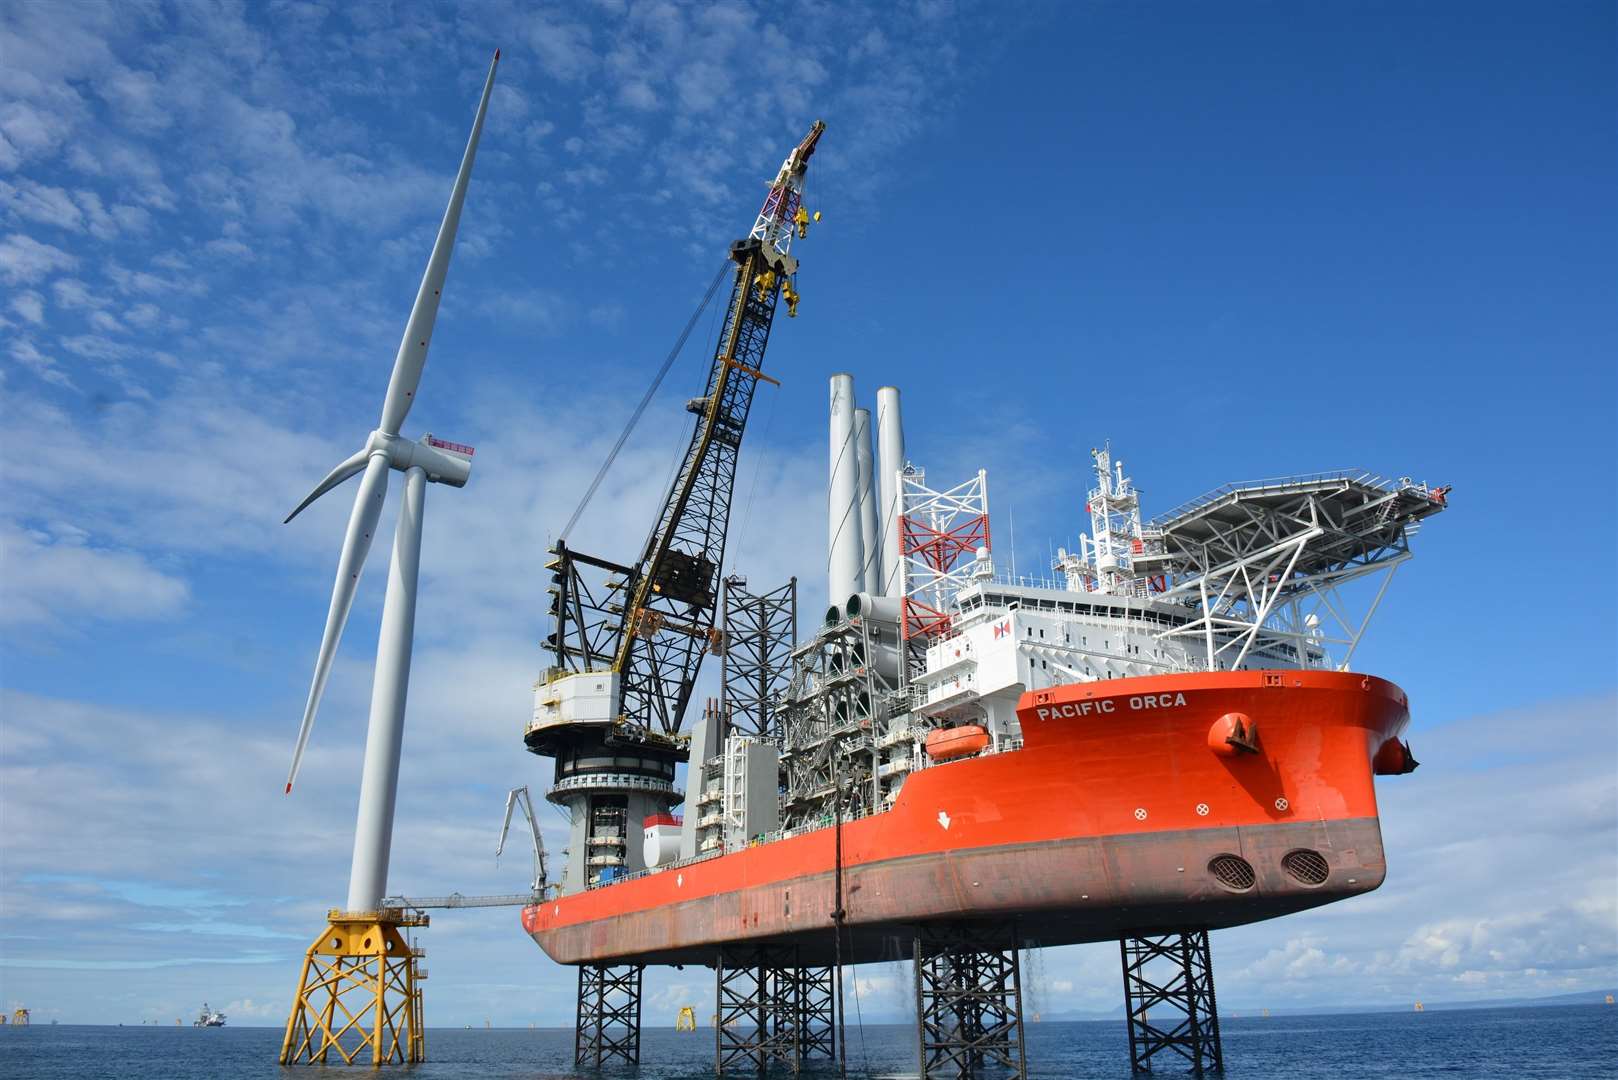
{"points": [[427, 460]]}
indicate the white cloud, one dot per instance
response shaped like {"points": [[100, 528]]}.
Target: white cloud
{"points": [[143, 315], [564, 47], [136, 97], [42, 204], [101, 320], [25, 132], [54, 585], [73, 294], [30, 305], [26, 353], [24, 260]]}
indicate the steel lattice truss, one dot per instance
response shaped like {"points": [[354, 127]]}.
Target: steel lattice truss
{"points": [[359, 996], [969, 1003], [608, 1024], [833, 714], [1263, 564], [770, 1009], [586, 609], [816, 1020], [1171, 975], [760, 629], [777, 219], [940, 533], [667, 624]]}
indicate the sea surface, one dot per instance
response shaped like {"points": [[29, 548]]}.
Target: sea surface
{"points": [[1561, 1042]]}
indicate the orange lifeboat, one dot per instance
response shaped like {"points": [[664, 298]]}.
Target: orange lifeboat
{"points": [[946, 744]]}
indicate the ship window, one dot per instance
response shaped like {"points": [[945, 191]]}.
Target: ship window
{"points": [[1042, 632]]}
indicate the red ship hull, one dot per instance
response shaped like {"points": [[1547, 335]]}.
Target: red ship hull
{"points": [[1106, 820]]}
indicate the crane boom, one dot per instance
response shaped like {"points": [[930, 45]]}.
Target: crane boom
{"points": [[668, 624], [518, 796], [653, 621]]}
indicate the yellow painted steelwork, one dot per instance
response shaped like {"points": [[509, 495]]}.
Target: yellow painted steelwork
{"points": [[687, 1020], [359, 995]]}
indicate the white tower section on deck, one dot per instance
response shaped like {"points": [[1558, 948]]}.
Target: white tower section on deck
{"points": [[845, 553], [890, 462], [870, 538]]}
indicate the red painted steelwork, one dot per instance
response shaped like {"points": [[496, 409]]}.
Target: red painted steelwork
{"points": [[1105, 820]]}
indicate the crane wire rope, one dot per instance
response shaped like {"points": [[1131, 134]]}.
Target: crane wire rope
{"points": [[679, 442], [646, 399]]}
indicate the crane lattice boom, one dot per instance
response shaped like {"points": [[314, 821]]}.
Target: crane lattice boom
{"points": [[655, 619]]}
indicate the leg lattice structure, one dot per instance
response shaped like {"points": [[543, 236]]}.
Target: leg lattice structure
{"points": [[771, 1009], [816, 1020], [608, 1025], [1169, 998], [969, 1003], [359, 996]]}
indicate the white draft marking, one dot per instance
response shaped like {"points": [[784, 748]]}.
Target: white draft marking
{"points": [[679, 881], [1202, 809], [1281, 803], [1140, 813], [943, 819]]}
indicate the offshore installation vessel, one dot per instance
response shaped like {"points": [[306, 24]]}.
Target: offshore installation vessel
{"points": [[1160, 738]]}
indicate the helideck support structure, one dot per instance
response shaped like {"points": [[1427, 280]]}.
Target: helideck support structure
{"points": [[359, 995], [608, 1025], [1169, 1000], [771, 1008], [969, 1003]]}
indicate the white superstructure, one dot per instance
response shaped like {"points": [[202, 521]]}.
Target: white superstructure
{"points": [[1248, 576]]}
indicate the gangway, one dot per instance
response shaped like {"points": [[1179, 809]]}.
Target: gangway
{"points": [[515, 798]]}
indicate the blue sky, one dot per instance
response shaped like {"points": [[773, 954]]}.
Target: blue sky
{"points": [[1239, 241]]}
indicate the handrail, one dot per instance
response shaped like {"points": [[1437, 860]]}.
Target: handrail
{"points": [[1296, 480]]}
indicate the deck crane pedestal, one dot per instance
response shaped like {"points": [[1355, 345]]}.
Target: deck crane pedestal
{"points": [[630, 637]]}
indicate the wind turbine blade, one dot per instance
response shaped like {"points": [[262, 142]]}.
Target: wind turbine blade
{"points": [[356, 544], [348, 468], [419, 330]]}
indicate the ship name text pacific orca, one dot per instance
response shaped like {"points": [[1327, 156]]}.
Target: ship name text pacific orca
{"points": [[1107, 705]]}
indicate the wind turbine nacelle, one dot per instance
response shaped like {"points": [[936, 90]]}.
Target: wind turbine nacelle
{"points": [[444, 462]]}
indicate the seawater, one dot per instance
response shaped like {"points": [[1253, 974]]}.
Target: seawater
{"points": [[1562, 1042]]}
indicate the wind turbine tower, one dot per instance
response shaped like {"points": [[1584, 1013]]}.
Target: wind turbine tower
{"points": [[359, 996]]}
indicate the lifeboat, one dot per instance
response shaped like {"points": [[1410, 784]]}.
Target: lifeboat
{"points": [[946, 744]]}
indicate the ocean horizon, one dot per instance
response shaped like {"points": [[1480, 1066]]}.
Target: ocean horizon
{"points": [[1565, 1042]]}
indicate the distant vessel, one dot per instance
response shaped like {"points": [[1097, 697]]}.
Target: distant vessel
{"points": [[208, 1018]]}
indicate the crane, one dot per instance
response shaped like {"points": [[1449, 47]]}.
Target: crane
{"points": [[516, 797], [651, 621]]}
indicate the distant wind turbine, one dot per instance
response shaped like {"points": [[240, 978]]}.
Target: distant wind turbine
{"points": [[430, 459]]}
